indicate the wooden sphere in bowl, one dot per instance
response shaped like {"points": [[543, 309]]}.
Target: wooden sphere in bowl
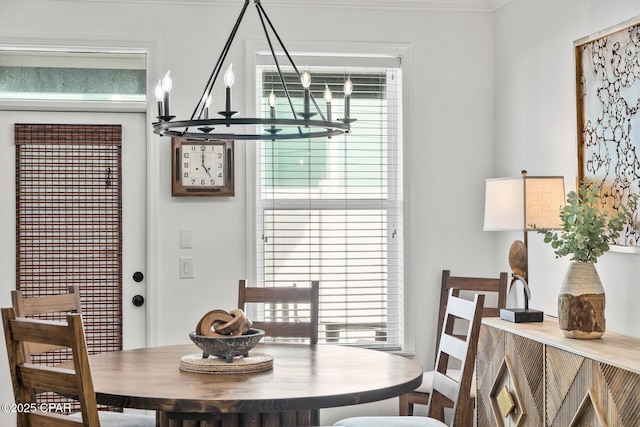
{"points": [[227, 347]]}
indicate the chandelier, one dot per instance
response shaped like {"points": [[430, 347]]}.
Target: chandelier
{"points": [[230, 126]]}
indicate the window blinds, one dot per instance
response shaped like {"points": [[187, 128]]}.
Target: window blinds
{"points": [[68, 226], [330, 209], [68, 221]]}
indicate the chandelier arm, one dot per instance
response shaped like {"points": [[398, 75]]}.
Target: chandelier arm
{"points": [[216, 70], [275, 59], [286, 52]]}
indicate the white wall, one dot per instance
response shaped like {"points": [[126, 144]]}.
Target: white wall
{"points": [[535, 117], [449, 136]]}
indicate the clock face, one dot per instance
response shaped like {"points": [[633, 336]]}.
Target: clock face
{"points": [[202, 168], [203, 165]]}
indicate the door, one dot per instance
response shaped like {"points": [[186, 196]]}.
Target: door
{"points": [[134, 129]]}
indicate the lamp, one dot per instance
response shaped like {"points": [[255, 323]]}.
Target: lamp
{"points": [[519, 204], [297, 125]]}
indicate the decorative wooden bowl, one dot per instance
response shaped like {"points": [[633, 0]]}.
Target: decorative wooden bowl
{"points": [[227, 347]]}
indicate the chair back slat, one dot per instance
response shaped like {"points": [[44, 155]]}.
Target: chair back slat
{"points": [[28, 377], [290, 326], [459, 307], [285, 329], [453, 346], [49, 378], [41, 332], [278, 295], [27, 307], [447, 386], [43, 305]]}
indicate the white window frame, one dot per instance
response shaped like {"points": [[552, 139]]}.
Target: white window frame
{"points": [[146, 47], [341, 52]]}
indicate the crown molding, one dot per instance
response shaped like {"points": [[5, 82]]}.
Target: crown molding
{"points": [[429, 5]]}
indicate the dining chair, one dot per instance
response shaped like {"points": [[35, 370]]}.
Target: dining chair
{"points": [[77, 382], [447, 391], [496, 287], [281, 306], [281, 309]]}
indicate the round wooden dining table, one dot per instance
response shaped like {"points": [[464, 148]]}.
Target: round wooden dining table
{"points": [[303, 379]]}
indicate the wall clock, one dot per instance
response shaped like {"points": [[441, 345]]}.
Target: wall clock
{"points": [[202, 168]]}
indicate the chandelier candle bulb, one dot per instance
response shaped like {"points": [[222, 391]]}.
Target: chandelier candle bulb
{"points": [[306, 84], [348, 89], [167, 84], [328, 97], [207, 104], [159, 95], [272, 105], [229, 78]]}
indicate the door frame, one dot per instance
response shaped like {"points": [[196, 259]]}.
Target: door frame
{"points": [[149, 46]]}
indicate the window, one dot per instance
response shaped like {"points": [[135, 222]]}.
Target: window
{"points": [[73, 76], [330, 209]]}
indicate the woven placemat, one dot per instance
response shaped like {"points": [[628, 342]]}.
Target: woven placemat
{"points": [[255, 362]]}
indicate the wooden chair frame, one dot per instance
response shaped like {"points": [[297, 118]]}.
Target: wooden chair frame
{"points": [[447, 391], [478, 285], [27, 377], [282, 294]]}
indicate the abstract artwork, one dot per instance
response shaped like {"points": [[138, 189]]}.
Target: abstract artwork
{"points": [[608, 107]]}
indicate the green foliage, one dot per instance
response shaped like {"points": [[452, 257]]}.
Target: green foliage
{"points": [[587, 229]]}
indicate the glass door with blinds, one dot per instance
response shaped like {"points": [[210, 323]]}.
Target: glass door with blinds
{"points": [[80, 216], [330, 209]]}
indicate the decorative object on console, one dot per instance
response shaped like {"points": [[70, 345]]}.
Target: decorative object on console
{"points": [[608, 126], [515, 204], [587, 230], [299, 125]]}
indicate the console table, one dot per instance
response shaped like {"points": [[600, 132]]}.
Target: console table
{"points": [[551, 380]]}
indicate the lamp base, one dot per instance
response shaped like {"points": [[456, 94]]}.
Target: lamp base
{"points": [[521, 315]]}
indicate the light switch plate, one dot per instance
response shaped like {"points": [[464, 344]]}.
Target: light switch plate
{"points": [[186, 267], [186, 238]]}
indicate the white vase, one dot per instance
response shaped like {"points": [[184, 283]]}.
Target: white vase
{"points": [[581, 302]]}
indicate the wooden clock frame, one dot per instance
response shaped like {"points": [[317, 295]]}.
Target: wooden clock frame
{"points": [[179, 189]]}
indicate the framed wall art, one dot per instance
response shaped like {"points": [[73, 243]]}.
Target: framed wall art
{"points": [[608, 117]]}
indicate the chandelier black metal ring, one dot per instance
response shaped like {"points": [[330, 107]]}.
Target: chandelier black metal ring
{"points": [[229, 127]]}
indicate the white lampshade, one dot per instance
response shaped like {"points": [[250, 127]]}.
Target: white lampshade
{"points": [[517, 204]]}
